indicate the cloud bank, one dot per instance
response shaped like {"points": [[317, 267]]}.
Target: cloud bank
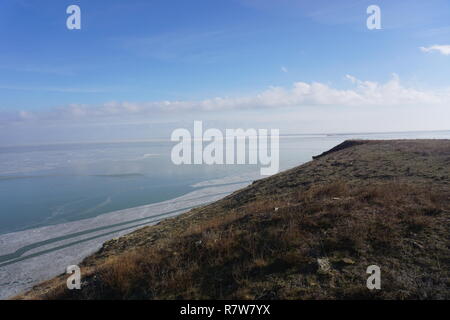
{"points": [[442, 49], [302, 94]]}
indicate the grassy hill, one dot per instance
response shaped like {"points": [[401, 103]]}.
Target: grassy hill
{"points": [[306, 233]]}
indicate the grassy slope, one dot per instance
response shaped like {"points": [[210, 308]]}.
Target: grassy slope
{"points": [[381, 202]]}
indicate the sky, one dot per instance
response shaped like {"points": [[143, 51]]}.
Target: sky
{"points": [[138, 69]]}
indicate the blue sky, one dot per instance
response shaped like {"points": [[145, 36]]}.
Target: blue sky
{"points": [[136, 57]]}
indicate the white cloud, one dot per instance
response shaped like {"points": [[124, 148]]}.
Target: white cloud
{"points": [[443, 49], [361, 94], [284, 69]]}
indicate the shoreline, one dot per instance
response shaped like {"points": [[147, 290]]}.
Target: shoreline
{"points": [[31, 256]]}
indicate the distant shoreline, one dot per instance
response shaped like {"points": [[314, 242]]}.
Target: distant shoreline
{"points": [[325, 134]]}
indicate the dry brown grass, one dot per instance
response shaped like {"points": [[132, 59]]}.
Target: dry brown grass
{"points": [[257, 252]]}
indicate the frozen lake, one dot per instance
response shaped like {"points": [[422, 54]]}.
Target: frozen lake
{"points": [[59, 203]]}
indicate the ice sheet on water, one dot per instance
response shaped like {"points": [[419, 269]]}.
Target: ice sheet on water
{"points": [[38, 266]]}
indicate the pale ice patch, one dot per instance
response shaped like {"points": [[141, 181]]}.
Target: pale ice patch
{"points": [[50, 249]]}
